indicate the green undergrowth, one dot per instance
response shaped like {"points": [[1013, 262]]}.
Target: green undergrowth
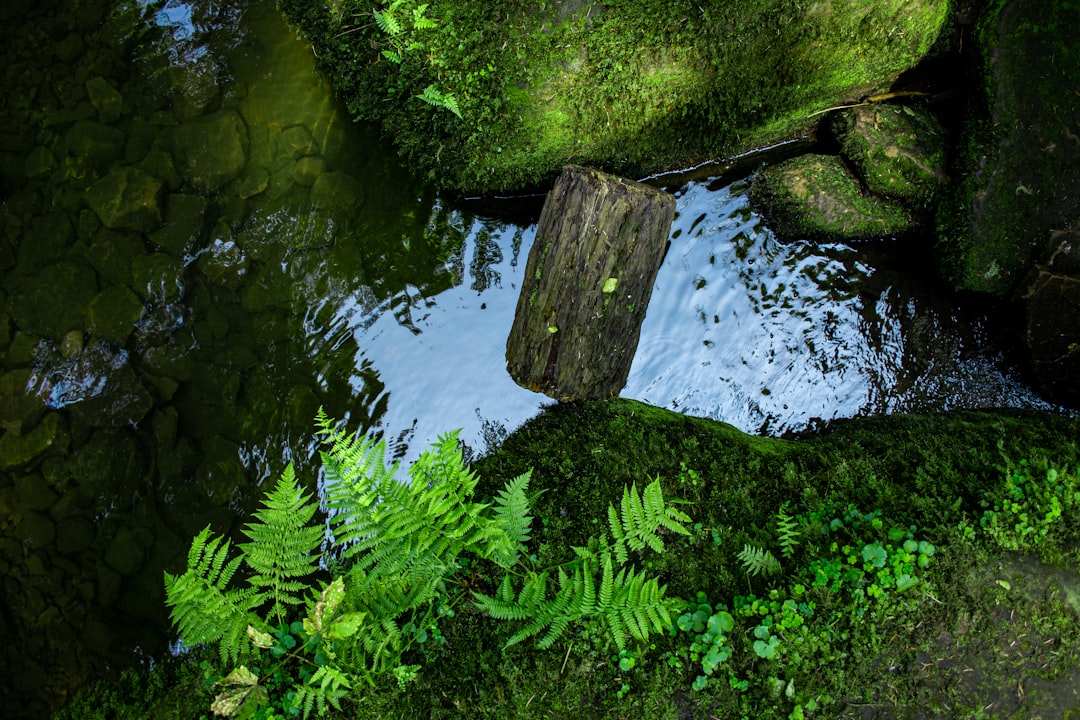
{"points": [[886, 567], [485, 96]]}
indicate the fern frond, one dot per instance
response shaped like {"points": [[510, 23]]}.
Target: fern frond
{"points": [[282, 547], [512, 517], [202, 607], [437, 98], [640, 516], [787, 529], [387, 23], [758, 561]]}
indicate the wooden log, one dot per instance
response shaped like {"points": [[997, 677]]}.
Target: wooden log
{"points": [[599, 244]]}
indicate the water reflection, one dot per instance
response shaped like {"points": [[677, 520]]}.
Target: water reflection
{"points": [[775, 338]]}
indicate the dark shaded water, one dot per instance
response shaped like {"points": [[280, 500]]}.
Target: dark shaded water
{"points": [[198, 250]]}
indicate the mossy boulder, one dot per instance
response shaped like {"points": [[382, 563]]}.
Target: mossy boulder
{"points": [[515, 90], [211, 150], [1021, 153], [897, 151], [815, 196], [127, 199]]}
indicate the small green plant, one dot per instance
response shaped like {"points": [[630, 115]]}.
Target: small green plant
{"points": [[407, 550], [1037, 502]]}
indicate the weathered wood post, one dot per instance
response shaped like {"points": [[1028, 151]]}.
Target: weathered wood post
{"points": [[599, 244]]}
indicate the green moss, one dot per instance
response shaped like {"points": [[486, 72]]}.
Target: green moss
{"points": [[815, 196], [632, 86]]}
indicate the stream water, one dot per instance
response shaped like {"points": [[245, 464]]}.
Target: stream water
{"points": [[199, 250]]}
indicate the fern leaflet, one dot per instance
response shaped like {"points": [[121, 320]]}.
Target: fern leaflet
{"points": [[788, 531], [758, 561]]}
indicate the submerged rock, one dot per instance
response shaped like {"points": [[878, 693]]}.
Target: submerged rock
{"points": [[212, 150], [337, 190], [127, 199], [49, 435], [20, 406], [815, 196], [113, 313], [107, 99], [185, 216], [54, 300], [96, 143]]}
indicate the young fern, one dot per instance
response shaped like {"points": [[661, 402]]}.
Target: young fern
{"points": [[758, 561], [282, 548], [631, 604], [640, 517], [787, 529]]}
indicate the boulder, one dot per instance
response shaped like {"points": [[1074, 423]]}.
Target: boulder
{"points": [[1020, 164], [39, 163], [620, 86], [293, 143], [193, 86], [127, 199], [211, 150], [898, 152], [158, 277], [223, 262], [815, 196], [307, 170]]}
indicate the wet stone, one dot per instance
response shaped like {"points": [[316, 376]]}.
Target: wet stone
{"points": [[815, 196], [160, 164], [158, 276], [126, 552], [111, 253], [96, 143], [121, 401], [20, 408], [34, 493], [88, 225], [113, 313], [39, 162], [212, 150], [337, 190], [293, 143], [74, 535], [253, 182], [72, 344], [307, 170], [127, 199], [194, 86], [223, 262], [107, 99], [185, 215], [53, 301], [20, 450]]}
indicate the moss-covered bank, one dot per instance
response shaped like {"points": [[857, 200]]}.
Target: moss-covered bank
{"points": [[631, 86], [985, 630]]}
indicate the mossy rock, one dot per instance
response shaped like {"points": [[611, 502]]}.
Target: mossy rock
{"points": [[815, 196], [1020, 163], [516, 90], [898, 152]]}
